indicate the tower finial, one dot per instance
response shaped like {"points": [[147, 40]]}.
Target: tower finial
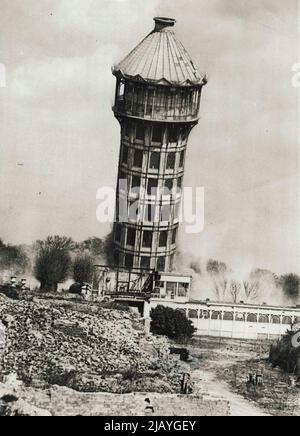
{"points": [[162, 22]]}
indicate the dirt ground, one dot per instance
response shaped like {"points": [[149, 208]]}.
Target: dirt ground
{"points": [[220, 369]]}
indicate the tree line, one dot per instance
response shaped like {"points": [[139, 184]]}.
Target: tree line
{"points": [[250, 290], [58, 258], [54, 260]]}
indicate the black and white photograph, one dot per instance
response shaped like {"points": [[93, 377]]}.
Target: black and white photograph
{"points": [[150, 211]]}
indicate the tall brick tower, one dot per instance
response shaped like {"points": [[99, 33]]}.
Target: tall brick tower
{"points": [[157, 103]]}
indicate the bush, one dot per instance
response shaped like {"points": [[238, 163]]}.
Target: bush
{"points": [[291, 286], [52, 263], [284, 355], [75, 288], [83, 268], [171, 323], [130, 374], [9, 292], [13, 258]]}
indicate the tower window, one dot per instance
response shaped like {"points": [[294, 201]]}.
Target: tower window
{"points": [[145, 262], [125, 155], [155, 161], [173, 133], [171, 160], [136, 182], [150, 212], [152, 186], [138, 159], [183, 289], [177, 210], [147, 239], [116, 257], [165, 213], [123, 181], [157, 133], [184, 134], [163, 239], [118, 233], [133, 213], [179, 183], [150, 102], [182, 156], [168, 187], [172, 261], [129, 261], [161, 263], [127, 129], [131, 236], [174, 236], [121, 90], [140, 132]]}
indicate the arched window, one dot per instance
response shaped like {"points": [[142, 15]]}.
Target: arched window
{"points": [[193, 314], [252, 317], [263, 319], [228, 316], [183, 311], [287, 320], [275, 319], [216, 315], [204, 314], [240, 316]]}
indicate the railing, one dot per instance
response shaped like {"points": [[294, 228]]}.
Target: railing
{"points": [[157, 114], [128, 295]]}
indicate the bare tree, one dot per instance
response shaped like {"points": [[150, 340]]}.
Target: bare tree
{"points": [[251, 290], [220, 287], [235, 289]]}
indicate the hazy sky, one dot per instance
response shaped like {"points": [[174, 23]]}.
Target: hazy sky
{"points": [[56, 119]]}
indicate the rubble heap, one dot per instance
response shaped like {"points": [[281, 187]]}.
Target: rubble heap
{"points": [[105, 350]]}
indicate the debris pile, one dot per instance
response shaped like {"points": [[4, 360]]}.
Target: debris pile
{"points": [[87, 349]]}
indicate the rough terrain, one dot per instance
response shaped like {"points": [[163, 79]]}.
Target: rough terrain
{"points": [[65, 356], [221, 368], [84, 346]]}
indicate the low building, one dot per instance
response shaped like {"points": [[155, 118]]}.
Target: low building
{"points": [[228, 320], [147, 289]]}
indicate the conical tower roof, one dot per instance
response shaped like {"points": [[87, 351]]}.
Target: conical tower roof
{"points": [[161, 58]]}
